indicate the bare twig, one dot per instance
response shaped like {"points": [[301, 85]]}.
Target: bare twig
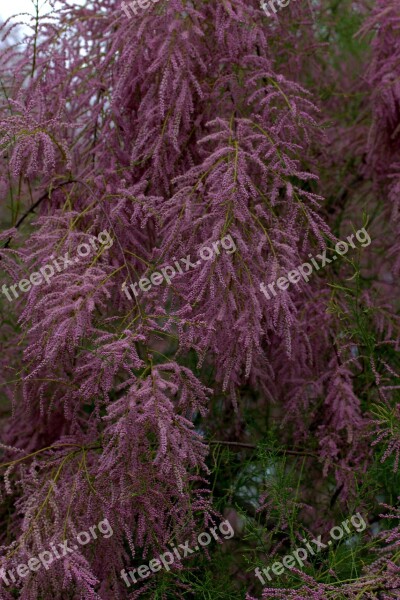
{"points": [[35, 205], [254, 446]]}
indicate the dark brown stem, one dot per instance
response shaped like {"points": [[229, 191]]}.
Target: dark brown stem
{"points": [[278, 451], [253, 447], [35, 205]]}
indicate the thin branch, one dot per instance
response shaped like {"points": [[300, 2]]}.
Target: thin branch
{"points": [[254, 446], [278, 451], [35, 205]]}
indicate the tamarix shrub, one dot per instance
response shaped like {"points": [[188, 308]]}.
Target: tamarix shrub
{"points": [[200, 400]]}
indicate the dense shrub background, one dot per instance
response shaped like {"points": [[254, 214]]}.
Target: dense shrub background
{"points": [[202, 400]]}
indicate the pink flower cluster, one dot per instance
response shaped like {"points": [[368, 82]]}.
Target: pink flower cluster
{"points": [[305, 269], [46, 557], [168, 558], [47, 271], [169, 272]]}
